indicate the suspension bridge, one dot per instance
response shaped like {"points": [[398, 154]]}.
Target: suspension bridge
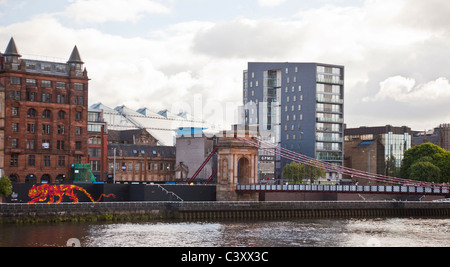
{"points": [[237, 166], [387, 184]]}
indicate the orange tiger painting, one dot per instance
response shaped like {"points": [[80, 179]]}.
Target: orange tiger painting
{"points": [[46, 192]]}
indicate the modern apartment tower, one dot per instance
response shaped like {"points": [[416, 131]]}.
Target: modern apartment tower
{"points": [[298, 106]]}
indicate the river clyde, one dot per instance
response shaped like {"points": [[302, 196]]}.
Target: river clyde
{"points": [[390, 232]]}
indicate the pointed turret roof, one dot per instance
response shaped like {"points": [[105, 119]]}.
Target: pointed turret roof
{"points": [[75, 57], [11, 50]]}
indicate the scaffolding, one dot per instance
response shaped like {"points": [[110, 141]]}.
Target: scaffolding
{"points": [[81, 173]]}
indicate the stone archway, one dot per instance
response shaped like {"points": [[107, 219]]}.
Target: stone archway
{"points": [[244, 171], [237, 164]]}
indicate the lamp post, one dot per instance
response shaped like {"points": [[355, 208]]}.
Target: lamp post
{"points": [[114, 168]]}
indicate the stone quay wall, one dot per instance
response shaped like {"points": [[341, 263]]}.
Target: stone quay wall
{"points": [[209, 211]]}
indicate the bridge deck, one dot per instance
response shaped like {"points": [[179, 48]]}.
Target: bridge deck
{"points": [[361, 189]]}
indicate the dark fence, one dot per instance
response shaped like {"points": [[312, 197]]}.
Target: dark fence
{"points": [[43, 193]]}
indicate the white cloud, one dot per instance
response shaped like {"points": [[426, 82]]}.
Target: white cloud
{"points": [[270, 3], [405, 90], [390, 63], [114, 10]]}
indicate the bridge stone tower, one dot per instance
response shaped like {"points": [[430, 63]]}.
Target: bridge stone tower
{"points": [[237, 164]]}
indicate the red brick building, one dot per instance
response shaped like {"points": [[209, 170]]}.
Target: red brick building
{"points": [[46, 110], [98, 144]]}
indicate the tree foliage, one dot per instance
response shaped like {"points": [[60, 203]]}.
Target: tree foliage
{"points": [[5, 187], [427, 163], [297, 172], [425, 171], [294, 172]]}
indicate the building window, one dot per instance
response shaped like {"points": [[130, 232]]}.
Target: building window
{"points": [[30, 144], [60, 130], [77, 130], [61, 161], [16, 95], [78, 115], [14, 143], [95, 141], [78, 159], [15, 80], [15, 111], [61, 85], [78, 145], [46, 98], [79, 86], [46, 129], [30, 128], [31, 113], [15, 127], [61, 115], [46, 114], [47, 161], [95, 165], [95, 152], [46, 67], [31, 161], [60, 68], [14, 160], [60, 145], [30, 66], [31, 82], [46, 84], [31, 96], [61, 99]]}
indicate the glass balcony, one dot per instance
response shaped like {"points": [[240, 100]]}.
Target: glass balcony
{"points": [[322, 119], [333, 80], [322, 99]]}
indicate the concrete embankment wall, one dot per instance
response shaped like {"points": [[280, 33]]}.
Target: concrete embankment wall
{"points": [[191, 211]]}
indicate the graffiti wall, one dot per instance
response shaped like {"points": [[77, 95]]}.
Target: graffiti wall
{"points": [[56, 194], [44, 193]]}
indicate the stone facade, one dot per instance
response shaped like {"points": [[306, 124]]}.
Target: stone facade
{"points": [[237, 164]]}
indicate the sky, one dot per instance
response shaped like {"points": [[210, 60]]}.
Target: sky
{"points": [[190, 54]]}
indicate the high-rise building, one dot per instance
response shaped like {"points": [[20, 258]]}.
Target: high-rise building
{"points": [[298, 106], [45, 116]]}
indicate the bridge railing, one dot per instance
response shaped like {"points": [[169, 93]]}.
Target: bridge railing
{"points": [[344, 188]]}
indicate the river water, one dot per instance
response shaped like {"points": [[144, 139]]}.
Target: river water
{"points": [[397, 232]]}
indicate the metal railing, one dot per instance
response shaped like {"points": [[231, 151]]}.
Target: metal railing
{"points": [[344, 188], [170, 193]]}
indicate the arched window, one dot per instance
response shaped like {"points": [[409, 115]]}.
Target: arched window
{"points": [[61, 115]]}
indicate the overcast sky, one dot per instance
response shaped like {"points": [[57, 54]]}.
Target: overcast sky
{"points": [[159, 54]]}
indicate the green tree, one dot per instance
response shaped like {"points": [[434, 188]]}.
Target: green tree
{"points": [[416, 153], [442, 161], [314, 172], [425, 171], [5, 187], [294, 172]]}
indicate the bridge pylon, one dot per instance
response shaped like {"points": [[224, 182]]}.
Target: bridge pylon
{"points": [[237, 164]]}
